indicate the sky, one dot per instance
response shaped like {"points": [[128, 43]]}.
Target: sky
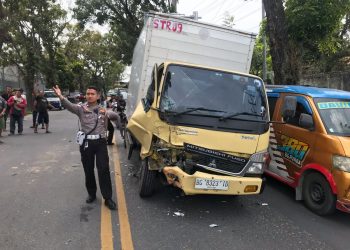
{"points": [[247, 13]]}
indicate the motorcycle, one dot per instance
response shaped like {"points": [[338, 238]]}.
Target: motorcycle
{"points": [[119, 108]]}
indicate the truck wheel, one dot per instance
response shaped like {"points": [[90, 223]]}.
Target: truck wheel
{"points": [[147, 179], [318, 196]]}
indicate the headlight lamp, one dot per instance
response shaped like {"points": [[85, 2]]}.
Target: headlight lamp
{"points": [[258, 162], [341, 162]]}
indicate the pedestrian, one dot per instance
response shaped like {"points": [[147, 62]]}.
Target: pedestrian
{"points": [[7, 96], [17, 111], [110, 129], [93, 119], [41, 104], [3, 107], [35, 112]]}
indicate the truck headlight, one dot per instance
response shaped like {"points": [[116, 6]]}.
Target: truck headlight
{"points": [[258, 162], [342, 163]]}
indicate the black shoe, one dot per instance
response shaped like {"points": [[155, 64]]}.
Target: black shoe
{"points": [[90, 199], [110, 204]]}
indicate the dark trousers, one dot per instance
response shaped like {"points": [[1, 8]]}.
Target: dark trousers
{"points": [[110, 128], [35, 115], [13, 120], [5, 117], [97, 149]]}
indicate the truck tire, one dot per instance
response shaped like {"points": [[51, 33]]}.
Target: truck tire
{"points": [[318, 195], [147, 179]]}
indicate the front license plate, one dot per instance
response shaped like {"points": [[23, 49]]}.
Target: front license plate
{"points": [[202, 183]]}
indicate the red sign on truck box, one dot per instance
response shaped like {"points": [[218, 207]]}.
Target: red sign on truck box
{"points": [[168, 25]]}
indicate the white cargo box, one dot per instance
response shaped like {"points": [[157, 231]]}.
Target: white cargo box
{"points": [[166, 37]]}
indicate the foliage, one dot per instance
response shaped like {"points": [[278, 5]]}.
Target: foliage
{"points": [[318, 28], [317, 32], [125, 17], [92, 58], [23, 25], [257, 59]]}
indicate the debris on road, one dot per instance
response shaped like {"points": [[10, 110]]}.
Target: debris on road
{"points": [[67, 242], [178, 214], [213, 225], [264, 204]]}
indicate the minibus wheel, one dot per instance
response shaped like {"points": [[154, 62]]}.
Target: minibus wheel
{"points": [[318, 195], [147, 179]]}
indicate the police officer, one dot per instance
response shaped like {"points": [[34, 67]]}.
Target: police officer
{"points": [[93, 120]]}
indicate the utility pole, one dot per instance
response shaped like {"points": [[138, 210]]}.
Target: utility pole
{"points": [[264, 43]]}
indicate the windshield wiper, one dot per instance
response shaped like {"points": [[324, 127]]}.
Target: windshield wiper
{"points": [[189, 110], [223, 118]]}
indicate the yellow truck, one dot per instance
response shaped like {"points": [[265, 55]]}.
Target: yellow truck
{"points": [[199, 124]]}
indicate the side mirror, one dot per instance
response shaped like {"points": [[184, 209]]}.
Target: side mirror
{"points": [[289, 107], [306, 121], [145, 104]]}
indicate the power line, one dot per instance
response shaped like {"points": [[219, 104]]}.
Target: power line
{"points": [[247, 15]]}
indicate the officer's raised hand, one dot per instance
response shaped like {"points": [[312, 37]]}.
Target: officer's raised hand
{"points": [[57, 91]]}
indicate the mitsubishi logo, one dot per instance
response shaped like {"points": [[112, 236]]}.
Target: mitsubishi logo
{"points": [[212, 164]]}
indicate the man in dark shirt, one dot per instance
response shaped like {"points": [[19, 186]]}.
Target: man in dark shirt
{"points": [[41, 105]]}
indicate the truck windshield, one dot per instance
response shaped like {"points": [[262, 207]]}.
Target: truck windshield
{"points": [[335, 114], [197, 92]]}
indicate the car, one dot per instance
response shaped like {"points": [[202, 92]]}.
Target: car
{"points": [[111, 92], [309, 144], [76, 97], [53, 99]]}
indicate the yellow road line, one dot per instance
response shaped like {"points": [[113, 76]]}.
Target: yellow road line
{"points": [[125, 232], [106, 228]]}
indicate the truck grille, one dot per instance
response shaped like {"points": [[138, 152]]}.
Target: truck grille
{"points": [[216, 161]]}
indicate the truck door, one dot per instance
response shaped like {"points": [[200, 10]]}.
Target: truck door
{"points": [[292, 143]]}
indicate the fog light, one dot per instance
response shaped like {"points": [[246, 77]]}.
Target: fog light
{"points": [[250, 189]]}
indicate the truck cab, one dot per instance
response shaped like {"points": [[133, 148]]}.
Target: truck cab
{"points": [[204, 130], [309, 147]]}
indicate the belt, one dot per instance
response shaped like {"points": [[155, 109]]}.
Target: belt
{"points": [[95, 137]]}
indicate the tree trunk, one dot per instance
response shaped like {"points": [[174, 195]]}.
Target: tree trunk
{"points": [[29, 78], [285, 56]]}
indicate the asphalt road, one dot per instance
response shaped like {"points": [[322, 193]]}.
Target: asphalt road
{"points": [[42, 206]]}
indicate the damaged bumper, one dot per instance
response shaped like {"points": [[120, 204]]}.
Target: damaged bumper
{"points": [[204, 183]]}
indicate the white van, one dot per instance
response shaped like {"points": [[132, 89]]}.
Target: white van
{"points": [[53, 99]]}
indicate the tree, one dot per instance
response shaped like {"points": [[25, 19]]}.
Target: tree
{"points": [[50, 27], [317, 28], [4, 34], [304, 32], [285, 57], [92, 58], [29, 32], [257, 59], [124, 16]]}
